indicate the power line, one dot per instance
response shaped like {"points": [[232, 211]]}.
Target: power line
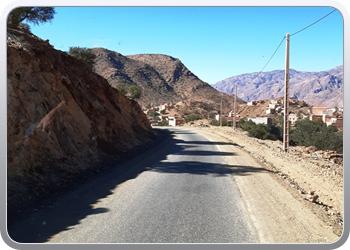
{"points": [[273, 54], [285, 38], [312, 23], [269, 59]]}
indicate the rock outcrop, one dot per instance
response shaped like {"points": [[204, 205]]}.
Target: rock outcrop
{"points": [[62, 118]]}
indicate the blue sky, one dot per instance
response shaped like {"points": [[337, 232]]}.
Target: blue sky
{"points": [[213, 42]]}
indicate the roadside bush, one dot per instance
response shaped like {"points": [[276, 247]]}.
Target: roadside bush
{"points": [[163, 123], [241, 122], [260, 131], [191, 118], [277, 131], [248, 125], [224, 122], [215, 122], [316, 133]]}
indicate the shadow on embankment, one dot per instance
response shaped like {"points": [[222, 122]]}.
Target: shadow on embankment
{"points": [[58, 214]]}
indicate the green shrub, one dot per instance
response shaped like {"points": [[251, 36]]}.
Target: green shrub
{"points": [[163, 123], [260, 131], [316, 133], [83, 54], [191, 118], [215, 122], [241, 122], [135, 92], [122, 88]]}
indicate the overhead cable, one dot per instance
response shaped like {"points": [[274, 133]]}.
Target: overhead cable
{"points": [[269, 59], [290, 36], [312, 23]]}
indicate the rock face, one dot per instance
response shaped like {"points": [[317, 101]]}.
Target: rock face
{"points": [[325, 87], [162, 78], [62, 118]]}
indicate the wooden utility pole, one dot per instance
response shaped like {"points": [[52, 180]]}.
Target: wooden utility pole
{"points": [[220, 116], [234, 109], [286, 100]]}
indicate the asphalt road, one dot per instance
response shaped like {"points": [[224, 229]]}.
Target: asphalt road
{"points": [[179, 192]]}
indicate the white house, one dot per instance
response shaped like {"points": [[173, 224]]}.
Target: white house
{"points": [[251, 103], [176, 121], [262, 120], [270, 111], [292, 118], [272, 105]]}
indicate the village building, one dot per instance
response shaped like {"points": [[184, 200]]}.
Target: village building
{"points": [[149, 111], [291, 102], [328, 112], [278, 110], [167, 107], [217, 117], [275, 106], [338, 123], [163, 117], [317, 110], [175, 121], [314, 117], [270, 111], [261, 120], [228, 117], [329, 120], [275, 101], [252, 103], [292, 118], [231, 114], [272, 105]]}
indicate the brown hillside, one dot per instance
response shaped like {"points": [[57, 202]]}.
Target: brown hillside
{"points": [[162, 78], [61, 118], [259, 110]]}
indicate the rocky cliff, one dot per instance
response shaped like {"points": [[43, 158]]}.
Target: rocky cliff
{"points": [[62, 118]]}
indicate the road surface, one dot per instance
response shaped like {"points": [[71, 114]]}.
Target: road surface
{"points": [[182, 191]]}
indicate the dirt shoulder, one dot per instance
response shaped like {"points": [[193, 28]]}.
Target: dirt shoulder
{"points": [[297, 198]]}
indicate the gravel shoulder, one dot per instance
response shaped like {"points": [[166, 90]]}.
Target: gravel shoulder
{"points": [[297, 199]]}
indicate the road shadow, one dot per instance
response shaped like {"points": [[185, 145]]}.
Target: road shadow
{"points": [[61, 212], [200, 168], [213, 142]]}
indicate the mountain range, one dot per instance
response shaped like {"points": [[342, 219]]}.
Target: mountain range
{"points": [[324, 87]]}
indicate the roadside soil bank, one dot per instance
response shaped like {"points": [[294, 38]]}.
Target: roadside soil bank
{"points": [[297, 199]]}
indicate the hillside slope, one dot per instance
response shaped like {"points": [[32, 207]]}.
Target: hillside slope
{"points": [[162, 78], [325, 87], [62, 118]]}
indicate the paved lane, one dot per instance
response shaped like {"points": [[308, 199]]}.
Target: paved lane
{"points": [[181, 192], [189, 197]]}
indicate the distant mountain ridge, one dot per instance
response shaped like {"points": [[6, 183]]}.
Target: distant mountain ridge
{"points": [[324, 87]]}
